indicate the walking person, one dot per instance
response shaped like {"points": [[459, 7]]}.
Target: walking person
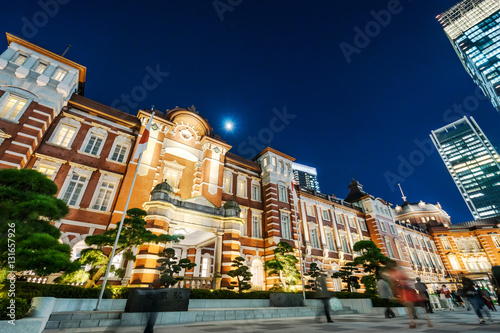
{"points": [[422, 291], [445, 294], [406, 293], [462, 295], [485, 294], [458, 299], [324, 295], [385, 293], [475, 300]]}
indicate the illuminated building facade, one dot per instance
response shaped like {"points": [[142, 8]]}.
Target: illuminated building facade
{"points": [[305, 176], [473, 164], [473, 29]]}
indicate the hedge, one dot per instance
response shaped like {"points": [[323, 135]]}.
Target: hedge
{"points": [[21, 311]]}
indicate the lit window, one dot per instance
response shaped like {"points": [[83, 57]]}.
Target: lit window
{"points": [[446, 244], [282, 193], [255, 192], [330, 240], [389, 247], [93, 144], [282, 166], [227, 182], [326, 216], [241, 187], [12, 107], [47, 170], [400, 252], [314, 238], [285, 226], [243, 215], [496, 240], [205, 267], [21, 58], [256, 229], [264, 161], [119, 153], [59, 74], [274, 160], [352, 223], [40, 68], [65, 135], [73, 192], [339, 219], [310, 210], [345, 244], [454, 263], [104, 197], [172, 177]]}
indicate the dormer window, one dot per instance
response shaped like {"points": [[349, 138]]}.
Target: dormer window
{"points": [[40, 68], [21, 58], [59, 75]]}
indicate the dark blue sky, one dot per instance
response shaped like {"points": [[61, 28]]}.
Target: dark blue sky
{"points": [[359, 118]]}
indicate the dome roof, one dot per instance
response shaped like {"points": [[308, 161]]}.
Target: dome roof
{"points": [[231, 204], [408, 207], [162, 187]]}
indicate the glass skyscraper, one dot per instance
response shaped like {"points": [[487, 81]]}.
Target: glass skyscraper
{"points": [[305, 176], [473, 164], [474, 31]]}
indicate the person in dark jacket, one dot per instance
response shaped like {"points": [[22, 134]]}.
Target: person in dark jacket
{"points": [[422, 291], [475, 300]]}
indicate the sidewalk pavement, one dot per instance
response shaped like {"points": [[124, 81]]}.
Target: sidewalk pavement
{"points": [[459, 321]]}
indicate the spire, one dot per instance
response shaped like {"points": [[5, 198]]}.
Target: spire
{"points": [[404, 197]]}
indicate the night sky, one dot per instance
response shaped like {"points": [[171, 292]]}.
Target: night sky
{"points": [[277, 69]]}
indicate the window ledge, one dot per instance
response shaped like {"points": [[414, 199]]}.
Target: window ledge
{"points": [[240, 196], [14, 121], [116, 162], [56, 145], [97, 211], [88, 154]]}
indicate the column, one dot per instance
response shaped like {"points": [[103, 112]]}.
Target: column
{"points": [[217, 278], [197, 261]]}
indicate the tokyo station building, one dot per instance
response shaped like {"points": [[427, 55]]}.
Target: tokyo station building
{"points": [[191, 183]]}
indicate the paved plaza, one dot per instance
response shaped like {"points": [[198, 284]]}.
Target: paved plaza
{"points": [[444, 321]]}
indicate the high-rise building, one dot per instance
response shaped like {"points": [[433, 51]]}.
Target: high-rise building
{"points": [[473, 163], [474, 31], [305, 176]]}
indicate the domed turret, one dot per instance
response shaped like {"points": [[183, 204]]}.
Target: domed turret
{"points": [[161, 191], [231, 208]]}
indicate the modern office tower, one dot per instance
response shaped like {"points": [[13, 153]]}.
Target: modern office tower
{"points": [[305, 176], [473, 163], [474, 31]]}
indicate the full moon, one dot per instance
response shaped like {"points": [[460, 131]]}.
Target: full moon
{"points": [[228, 126]]}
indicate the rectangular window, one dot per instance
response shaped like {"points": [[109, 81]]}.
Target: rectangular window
{"points": [[282, 194], [496, 240], [352, 223], [345, 244], [20, 59], [339, 219], [241, 189], [389, 248], [362, 224], [74, 190], [264, 161], [104, 197], [446, 243], [65, 135], [12, 106], [243, 215], [40, 68], [314, 238], [408, 239], [172, 176], [255, 192], [330, 240], [326, 216], [228, 186], [256, 229], [205, 267], [285, 226], [393, 230], [119, 153], [93, 145], [274, 160], [47, 170], [310, 210], [59, 74], [382, 226]]}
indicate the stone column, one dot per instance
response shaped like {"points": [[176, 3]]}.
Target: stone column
{"points": [[217, 278], [197, 261]]}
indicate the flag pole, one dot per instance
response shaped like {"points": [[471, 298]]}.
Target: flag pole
{"points": [[299, 236], [120, 226]]}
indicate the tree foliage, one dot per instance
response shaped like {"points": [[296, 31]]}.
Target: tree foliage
{"points": [[241, 273], [313, 273], [27, 206], [284, 265], [373, 261], [170, 267], [346, 273], [133, 233]]}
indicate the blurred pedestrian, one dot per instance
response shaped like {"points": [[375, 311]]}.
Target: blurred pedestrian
{"points": [[485, 294], [475, 300], [323, 294], [385, 293], [406, 293], [445, 295], [462, 295], [422, 291], [457, 298]]}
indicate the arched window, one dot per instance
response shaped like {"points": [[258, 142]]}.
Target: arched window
{"points": [[257, 271]]}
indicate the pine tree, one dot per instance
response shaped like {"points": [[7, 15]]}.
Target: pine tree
{"points": [[241, 274]]}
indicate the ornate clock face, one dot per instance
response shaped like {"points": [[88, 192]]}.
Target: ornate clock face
{"points": [[186, 134], [154, 126]]}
